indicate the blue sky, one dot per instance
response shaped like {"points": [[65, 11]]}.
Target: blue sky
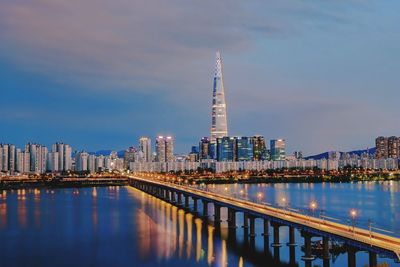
{"points": [[99, 74]]}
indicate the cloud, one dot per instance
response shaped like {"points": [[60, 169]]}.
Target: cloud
{"points": [[138, 45]]}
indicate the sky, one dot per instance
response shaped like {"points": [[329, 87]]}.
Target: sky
{"points": [[98, 74]]}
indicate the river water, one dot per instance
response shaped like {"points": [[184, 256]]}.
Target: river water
{"points": [[121, 226]]}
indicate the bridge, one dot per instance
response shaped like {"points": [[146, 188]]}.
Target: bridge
{"points": [[355, 238]]}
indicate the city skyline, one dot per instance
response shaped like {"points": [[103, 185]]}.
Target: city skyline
{"points": [[310, 73]]}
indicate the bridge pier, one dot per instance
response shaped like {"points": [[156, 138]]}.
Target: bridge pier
{"points": [[205, 208], [325, 246], [173, 198], [276, 242], [186, 201], [308, 257], [373, 262], [266, 228], [351, 256], [217, 213], [292, 255], [179, 199], [292, 242], [252, 226], [195, 207], [231, 218]]}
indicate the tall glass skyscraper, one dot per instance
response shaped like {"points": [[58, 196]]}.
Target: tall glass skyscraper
{"points": [[278, 149], [219, 126]]}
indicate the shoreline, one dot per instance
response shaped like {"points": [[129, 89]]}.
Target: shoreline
{"points": [[276, 180], [70, 183]]}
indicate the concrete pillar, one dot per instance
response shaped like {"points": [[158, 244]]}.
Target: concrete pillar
{"points": [[173, 199], [186, 201], [245, 220], [351, 257], [217, 213], [195, 207], [231, 218], [292, 255], [252, 226], [179, 198], [266, 228], [373, 262], [308, 257], [325, 246], [292, 242], [205, 208], [276, 242]]}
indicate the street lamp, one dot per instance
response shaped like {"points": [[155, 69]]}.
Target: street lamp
{"points": [[259, 197], [353, 214], [313, 206]]}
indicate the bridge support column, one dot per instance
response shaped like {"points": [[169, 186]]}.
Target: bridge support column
{"points": [[195, 207], [292, 242], [231, 218], [266, 228], [373, 262], [351, 257], [167, 195], [245, 221], [276, 242], [205, 208], [179, 198], [308, 257], [217, 213], [187, 201], [252, 226], [173, 198], [325, 246]]}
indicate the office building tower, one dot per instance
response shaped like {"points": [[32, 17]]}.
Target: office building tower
{"points": [[226, 148], [205, 151], [219, 125], [259, 148], [244, 149], [145, 148], [277, 149]]}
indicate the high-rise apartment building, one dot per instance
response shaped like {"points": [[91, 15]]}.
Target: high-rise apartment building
{"points": [[64, 156], [278, 149], [393, 147], [145, 148], [219, 125], [381, 144], [165, 149], [387, 147]]}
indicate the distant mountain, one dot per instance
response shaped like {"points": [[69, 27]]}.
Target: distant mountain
{"points": [[326, 154]]}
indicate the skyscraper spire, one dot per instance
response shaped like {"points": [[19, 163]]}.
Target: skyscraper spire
{"points": [[219, 126]]}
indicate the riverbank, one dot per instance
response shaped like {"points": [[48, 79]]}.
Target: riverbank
{"points": [[6, 184], [292, 179]]}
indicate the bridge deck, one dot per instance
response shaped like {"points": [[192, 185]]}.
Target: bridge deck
{"points": [[362, 236]]}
